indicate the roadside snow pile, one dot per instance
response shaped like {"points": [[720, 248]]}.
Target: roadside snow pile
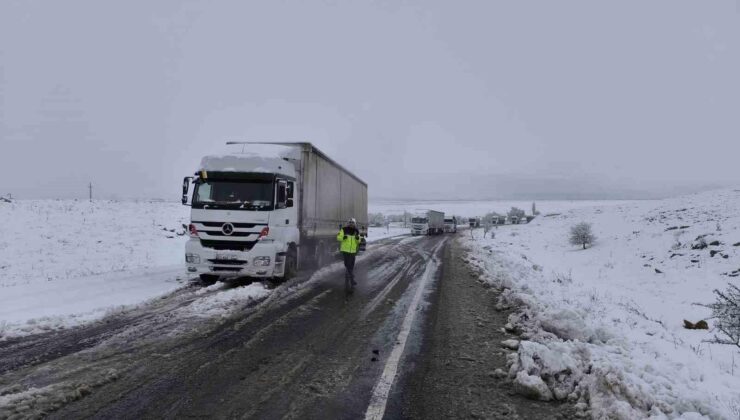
{"points": [[379, 233], [64, 262], [225, 302], [604, 327]]}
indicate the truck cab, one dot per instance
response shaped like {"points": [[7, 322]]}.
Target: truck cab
{"points": [[451, 225], [242, 223], [419, 225]]}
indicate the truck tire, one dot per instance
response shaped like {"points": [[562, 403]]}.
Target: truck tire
{"points": [[319, 255], [291, 263], [208, 279]]}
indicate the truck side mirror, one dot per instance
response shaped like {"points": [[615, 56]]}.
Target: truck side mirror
{"points": [[185, 187], [281, 201]]}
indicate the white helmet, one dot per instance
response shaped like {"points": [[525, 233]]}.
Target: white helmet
{"points": [[352, 220]]}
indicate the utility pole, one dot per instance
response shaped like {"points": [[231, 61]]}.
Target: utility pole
{"points": [[90, 188]]}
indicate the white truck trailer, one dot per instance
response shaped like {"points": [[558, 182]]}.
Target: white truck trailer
{"points": [[430, 223], [265, 210]]}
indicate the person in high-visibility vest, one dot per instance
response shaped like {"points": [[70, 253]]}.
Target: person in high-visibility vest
{"points": [[349, 239]]}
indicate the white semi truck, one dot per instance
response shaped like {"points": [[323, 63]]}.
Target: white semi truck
{"points": [[265, 210], [451, 225], [430, 223]]}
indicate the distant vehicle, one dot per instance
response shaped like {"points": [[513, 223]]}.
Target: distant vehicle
{"points": [[451, 225], [265, 210], [430, 223], [474, 222], [514, 220]]}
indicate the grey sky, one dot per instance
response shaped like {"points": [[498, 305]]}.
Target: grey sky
{"points": [[488, 99]]}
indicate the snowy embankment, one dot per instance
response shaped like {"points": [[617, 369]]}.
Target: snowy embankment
{"points": [[603, 327], [378, 233], [64, 262]]}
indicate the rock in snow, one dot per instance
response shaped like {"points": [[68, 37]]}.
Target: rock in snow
{"points": [[532, 387], [510, 344]]}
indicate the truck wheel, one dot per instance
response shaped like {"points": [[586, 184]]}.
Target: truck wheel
{"points": [[291, 264], [208, 279], [320, 255]]}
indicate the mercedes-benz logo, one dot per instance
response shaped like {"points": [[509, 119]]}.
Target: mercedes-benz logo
{"points": [[227, 229]]}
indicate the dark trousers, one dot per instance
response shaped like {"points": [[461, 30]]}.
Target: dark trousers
{"points": [[349, 264]]}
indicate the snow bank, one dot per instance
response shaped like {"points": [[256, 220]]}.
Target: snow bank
{"points": [[225, 302], [603, 327], [379, 233], [64, 262]]}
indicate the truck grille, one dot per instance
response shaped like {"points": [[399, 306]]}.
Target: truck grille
{"points": [[220, 233], [230, 269], [228, 245], [228, 262], [236, 225]]}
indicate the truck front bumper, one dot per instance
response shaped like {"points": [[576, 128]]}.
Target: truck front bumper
{"points": [[264, 260]]}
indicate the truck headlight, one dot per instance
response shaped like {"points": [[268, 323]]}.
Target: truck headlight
{"points": [[192, 258], [261, 261]]}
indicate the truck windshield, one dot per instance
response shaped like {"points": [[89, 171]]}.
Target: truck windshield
{"points": [[418, 220], [238, 195]]}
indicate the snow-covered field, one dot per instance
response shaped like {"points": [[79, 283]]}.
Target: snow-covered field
{"points": [[66, 262], [604, 326]]}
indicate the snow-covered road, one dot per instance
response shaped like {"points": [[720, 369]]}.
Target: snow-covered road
{"points": [[301, 350]]}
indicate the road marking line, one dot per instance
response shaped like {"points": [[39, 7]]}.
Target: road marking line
{"points": [[379, 398]]}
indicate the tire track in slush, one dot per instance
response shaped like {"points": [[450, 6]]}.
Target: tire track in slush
{"points": [[379, 398]]}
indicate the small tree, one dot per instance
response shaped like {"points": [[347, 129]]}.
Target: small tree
{"points": [[376, 219], [486, 227], [581, 234], [727, 312]]}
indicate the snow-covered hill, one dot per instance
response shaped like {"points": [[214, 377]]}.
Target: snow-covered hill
{"points": [[605, 326]]}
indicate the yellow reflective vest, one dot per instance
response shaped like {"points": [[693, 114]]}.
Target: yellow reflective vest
{"points": [[349, 243]]}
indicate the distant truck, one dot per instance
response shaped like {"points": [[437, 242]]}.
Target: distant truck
{"points": [[265, 210], [430, 223], [474, 222], [451, 225], [498, 220]]}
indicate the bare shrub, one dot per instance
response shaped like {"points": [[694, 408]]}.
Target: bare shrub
{"points": [[727, 312]]}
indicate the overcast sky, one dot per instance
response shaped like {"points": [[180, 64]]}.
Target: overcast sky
{"points": [[422, 99]]}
